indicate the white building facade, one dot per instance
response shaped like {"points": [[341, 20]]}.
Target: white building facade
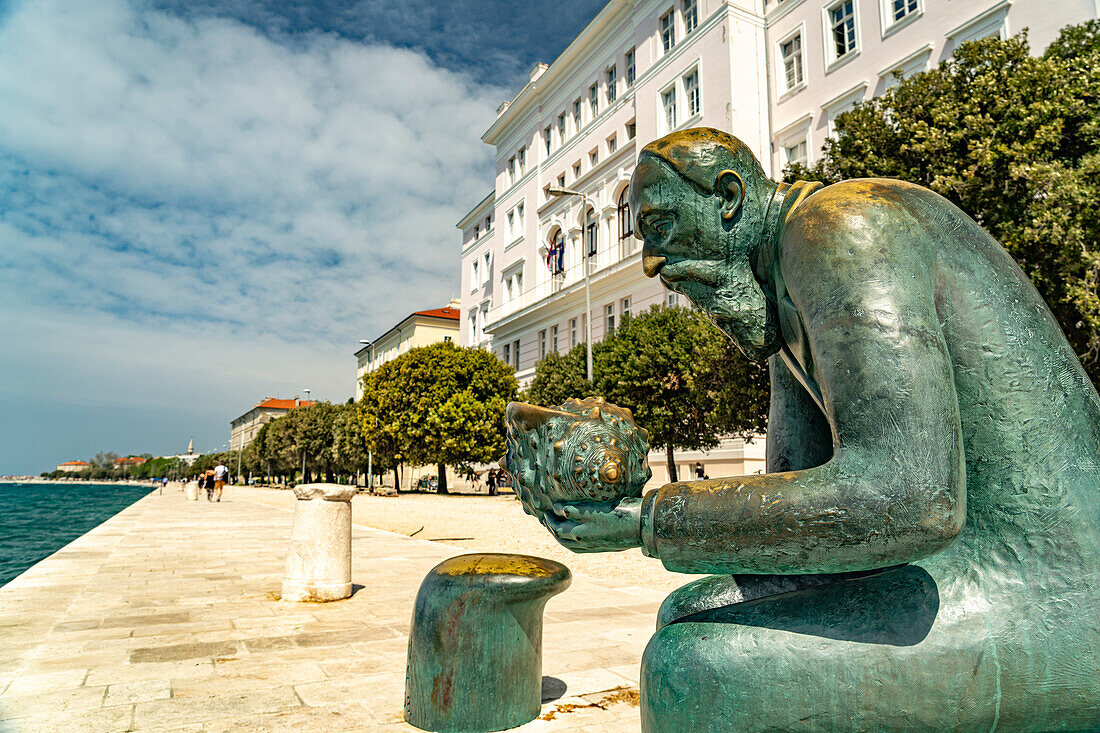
{"points": [[775, 73]]}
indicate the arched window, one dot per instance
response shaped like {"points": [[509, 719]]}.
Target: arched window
{"points": [[626, 225], [555, 253], [591, 234]]}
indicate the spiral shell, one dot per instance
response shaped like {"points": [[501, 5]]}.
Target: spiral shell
{"points": [[583, 450]]}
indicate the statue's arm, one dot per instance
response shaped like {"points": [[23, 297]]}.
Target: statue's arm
{"points": [[894, 490], [798, 433]]}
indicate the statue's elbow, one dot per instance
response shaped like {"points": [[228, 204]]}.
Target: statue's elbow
{"points": [[942, 526]]}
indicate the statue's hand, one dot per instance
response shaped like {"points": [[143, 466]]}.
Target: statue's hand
{"points": [[596, 526]]}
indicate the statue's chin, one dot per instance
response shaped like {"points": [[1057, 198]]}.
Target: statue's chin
{"points": [[742, 312]]}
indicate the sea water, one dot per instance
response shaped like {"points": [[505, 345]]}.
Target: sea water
{"points": [[38, 519]]}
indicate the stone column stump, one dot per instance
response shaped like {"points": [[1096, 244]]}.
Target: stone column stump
{"points": [[475, 648], [192, 490], [318, 563]]}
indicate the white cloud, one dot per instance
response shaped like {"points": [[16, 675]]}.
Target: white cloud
{"points": [[195, 182]]}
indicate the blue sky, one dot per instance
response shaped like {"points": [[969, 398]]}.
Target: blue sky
{"points": [[203, 203]]}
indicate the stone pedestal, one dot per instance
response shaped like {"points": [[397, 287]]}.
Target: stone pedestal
{"points": [[475, 648], [318, 563], [192, 490]]}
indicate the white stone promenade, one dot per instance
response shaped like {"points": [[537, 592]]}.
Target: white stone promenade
{"points": [[167, 617]]}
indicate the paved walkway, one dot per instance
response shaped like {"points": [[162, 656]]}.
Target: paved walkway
{"points": [[167, 617]]}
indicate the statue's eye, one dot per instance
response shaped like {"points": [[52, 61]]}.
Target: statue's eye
{"points": [[660, 223]]}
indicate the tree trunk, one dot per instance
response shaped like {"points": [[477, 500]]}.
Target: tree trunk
{"points": [[671, 464], [396, 480], [442, 488], [330, 476]]}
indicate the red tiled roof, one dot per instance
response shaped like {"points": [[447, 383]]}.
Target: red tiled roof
{"points": [[451, 313], [74, 463], [133, 460], [278, 404]]}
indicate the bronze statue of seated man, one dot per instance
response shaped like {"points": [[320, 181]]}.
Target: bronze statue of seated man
{"points": [[924, 551]]}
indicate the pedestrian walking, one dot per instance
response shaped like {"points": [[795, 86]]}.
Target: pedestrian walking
{"points": [[206, 481], [221, 475], [491, 481]]}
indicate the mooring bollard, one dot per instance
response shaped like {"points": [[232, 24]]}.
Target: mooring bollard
{"points": [[318, 563], [192, 489], [475, 648]]}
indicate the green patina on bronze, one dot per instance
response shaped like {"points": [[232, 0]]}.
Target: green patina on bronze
{"points": [[924, 551], [475, 647]]}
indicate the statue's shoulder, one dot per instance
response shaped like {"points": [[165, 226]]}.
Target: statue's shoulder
{"points": [[853, 213]]}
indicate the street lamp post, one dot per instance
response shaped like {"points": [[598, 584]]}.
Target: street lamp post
{"points": [[370, 456], [307, 391], [560, 191]]}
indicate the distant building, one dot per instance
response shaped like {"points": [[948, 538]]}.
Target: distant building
{"points": [[244, 428], [129, 461], [73, 466], [190, 456], [418, 329]]}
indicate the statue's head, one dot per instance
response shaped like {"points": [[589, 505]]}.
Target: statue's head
{"points": [[699, 198]]}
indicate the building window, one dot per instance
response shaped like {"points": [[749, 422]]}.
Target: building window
{"points": [[842, 23], [612, 84], [512, 225], [576, 115], [521, 158], [673, 300], [691, 91], [624, 307], [475, 277], [631, 130], [519, 218], [542, 344], [572, 332], [547, 139], [576, 170], [591, 234], [668, 31], [555, 254], [690, 11], [512, 170], [554, 339], [630, 73], [668, 104], [485, 269], [561, 128], [594, 100], [473, 327], [515, 353], [901, 9], [791, 53], [488, 223], [796, 153], [612, 144], [561, 180], [609, 314], [447, 339], [477, 232], [593, 158], [626, 226], [508, 354]]}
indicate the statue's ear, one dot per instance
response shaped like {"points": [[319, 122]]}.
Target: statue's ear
{"points": [[731, 187]]}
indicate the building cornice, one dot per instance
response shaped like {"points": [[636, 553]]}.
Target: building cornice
{"points": [[477, 212], [984, 15]]}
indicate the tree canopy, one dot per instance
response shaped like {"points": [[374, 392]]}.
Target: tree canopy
{"points": [[1013, 140], [441, 404]]}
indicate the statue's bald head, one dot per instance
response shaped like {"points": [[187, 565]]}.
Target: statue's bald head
{"points": [[701, 154]]}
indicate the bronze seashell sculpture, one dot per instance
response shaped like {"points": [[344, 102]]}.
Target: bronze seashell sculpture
{"points": [[581, 451]]}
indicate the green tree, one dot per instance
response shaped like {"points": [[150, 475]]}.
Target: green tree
{"points": [[559, 377], [440, 404], [1013, 140], [662, 364], [349, 444]]}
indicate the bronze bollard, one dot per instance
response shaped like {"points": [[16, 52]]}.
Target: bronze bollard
{"points": [[475, 648]]}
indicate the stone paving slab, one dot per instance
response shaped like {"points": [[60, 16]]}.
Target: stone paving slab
{"points": [[167, 617]]}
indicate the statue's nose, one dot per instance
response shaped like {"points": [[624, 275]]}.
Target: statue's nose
{"points": [[651, 261]]}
